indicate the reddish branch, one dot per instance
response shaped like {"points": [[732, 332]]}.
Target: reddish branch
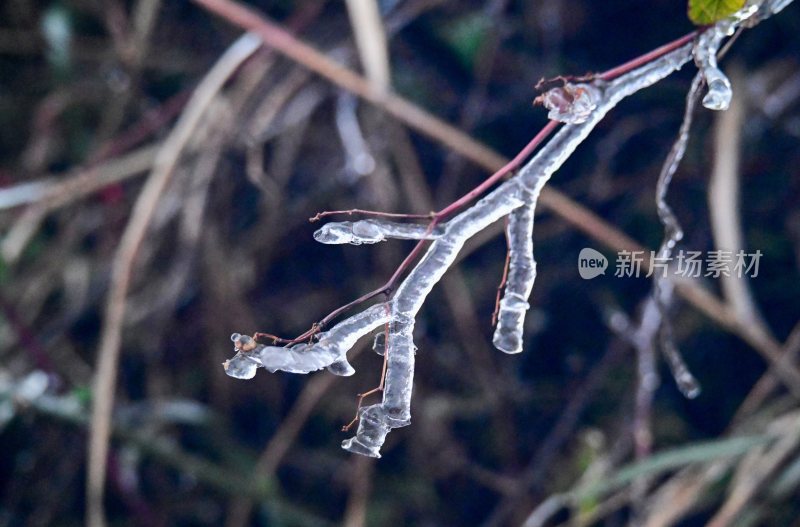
{"points": [[281, 40]]}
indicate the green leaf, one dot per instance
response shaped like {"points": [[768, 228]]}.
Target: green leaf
{"points": [[705, 12]]}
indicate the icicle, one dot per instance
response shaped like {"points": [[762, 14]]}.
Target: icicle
{"points": [[705, 55], [705, 51], [521, 275], [372, 231]]}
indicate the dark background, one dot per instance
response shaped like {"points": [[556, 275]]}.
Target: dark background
{"points": [[231, 249]]}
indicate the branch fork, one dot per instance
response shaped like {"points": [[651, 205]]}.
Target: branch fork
{"points": [[580, 107]]}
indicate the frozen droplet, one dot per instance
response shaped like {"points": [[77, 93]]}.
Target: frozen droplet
{"points": [[342, 368], [719, 94], [240, 367], [334, 233]]}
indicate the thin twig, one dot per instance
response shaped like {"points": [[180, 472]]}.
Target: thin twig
{"points": [[417, 118]]}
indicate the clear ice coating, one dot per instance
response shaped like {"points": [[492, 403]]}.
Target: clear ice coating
{"points": [[571, 103], [521, 275], [241, 366], [372, 231], [341, 368], [330, 350], [523, 189], [719, 93], [705, 51], [373, 429]]}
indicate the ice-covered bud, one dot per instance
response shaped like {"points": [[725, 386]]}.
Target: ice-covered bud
{"points": [[571, 103], [243, 342]]}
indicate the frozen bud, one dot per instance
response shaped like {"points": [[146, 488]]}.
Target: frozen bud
{"points": [[243, 342], [571, 103]]}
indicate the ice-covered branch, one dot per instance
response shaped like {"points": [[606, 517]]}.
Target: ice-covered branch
{"points": [[581, 107], [521, 274], [523, 189], [329, 351], [662, 286], [373, 231]]}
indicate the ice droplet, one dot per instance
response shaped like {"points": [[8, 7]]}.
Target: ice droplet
{"points": [[240, 367], [342, 368], [334, 233], [719, 94]]}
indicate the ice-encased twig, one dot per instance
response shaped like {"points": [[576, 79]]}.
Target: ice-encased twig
{"points": [[523, 189], [662, 287], [329, 351], [373, 231], [394, 411], [521, 275], [705, 51]]}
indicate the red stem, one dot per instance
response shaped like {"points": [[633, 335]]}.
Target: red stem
{"points": [[622, 69], [507, 168]]}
